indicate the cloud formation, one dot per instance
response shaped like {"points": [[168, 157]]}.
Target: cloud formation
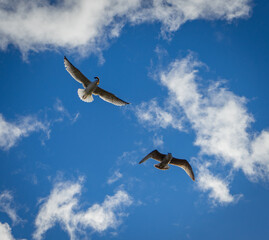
{"points": [[220, 120], [158, 140], [62, 206], [151, 114], [218, 188], [5, 232], [59, 107], [86, 26], [12, 132], [115, 177], [7, 206]]}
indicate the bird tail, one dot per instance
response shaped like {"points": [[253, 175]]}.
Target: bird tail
{"points": [[82, 95]]}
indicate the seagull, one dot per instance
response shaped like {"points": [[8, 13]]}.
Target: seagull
{"points": [[91, 87], [169, 159]]}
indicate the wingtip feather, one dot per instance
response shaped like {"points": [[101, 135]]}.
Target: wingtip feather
{"points": [[192, 176]]}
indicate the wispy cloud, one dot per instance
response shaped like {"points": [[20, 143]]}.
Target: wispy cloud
{"points": [[217, 187], [7, 205], [12, 132], [158, 140], [220, 120], [115, 177], [58, 106], [128, 157], [151, 114], [62, 206], [88, 25], [5, 232]]}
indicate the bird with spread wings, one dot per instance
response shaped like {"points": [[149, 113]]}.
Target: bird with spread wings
{"points": [[166, 159], [91, 87]]}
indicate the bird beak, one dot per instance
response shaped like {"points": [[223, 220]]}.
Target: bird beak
{"points": [[98, 80]]}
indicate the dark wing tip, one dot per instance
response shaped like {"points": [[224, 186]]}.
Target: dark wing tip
{"points": [[119, 103], [193, 178], [192, 174]]}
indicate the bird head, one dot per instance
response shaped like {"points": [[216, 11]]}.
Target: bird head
{"points": [[98, 80]]}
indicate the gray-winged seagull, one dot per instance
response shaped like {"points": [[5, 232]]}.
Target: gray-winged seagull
{"points": [[166, 159], [91, 87]]}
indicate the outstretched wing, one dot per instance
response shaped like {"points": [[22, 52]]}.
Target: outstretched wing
{"points": [[109, 97], [155, 154], [75, 73], [185, 165]]}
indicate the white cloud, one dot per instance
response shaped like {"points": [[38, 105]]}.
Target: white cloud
{"points": [[128, 157], [62, 206], [5, 232], [219, 118], [58, 106], [218, 188], [153, 115], [7, 206], [87, 26], [158, 140], [12, 132], [115, 177]]}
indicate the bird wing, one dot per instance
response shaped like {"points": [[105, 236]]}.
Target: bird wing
{"points": [[185, 165], [109, 97], [75, 73], [155, 154]]}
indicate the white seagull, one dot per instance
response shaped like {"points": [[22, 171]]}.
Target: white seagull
{"points": [[91, 87], [169, 159]]}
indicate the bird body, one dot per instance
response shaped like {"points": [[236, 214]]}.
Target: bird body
{"points": [[91, 88], [163, 165], [86, 94], [166, 159]]}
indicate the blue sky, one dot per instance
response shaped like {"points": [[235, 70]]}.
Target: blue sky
{"points": [[196, 75]]}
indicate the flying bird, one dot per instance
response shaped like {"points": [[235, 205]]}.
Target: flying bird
{"points": [[91, 88], [166, 159]]}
